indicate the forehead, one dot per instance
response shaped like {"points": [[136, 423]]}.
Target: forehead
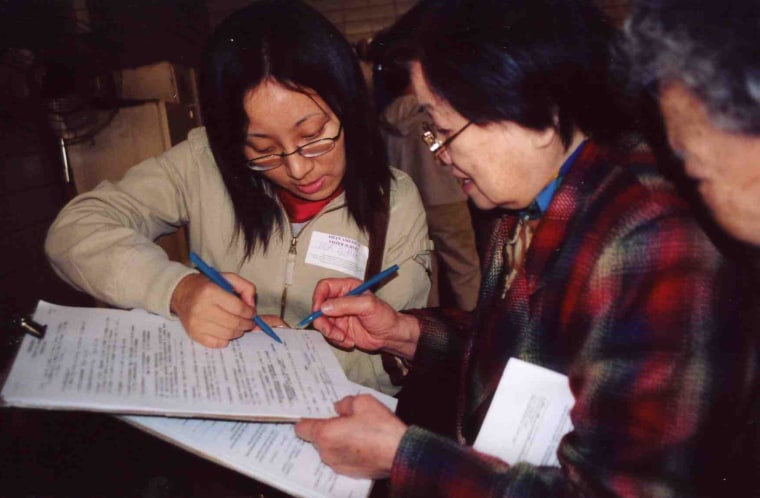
{"points": [[686, 117], [438, 108], [271, 100], [691, 130]]}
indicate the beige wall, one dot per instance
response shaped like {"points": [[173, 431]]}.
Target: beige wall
{"points": [[358, 19]]}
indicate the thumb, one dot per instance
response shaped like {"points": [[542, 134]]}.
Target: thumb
{"points": [[305, 429], [345, 406]]}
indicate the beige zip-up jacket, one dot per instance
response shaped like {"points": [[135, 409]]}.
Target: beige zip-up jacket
{"points": [[102, 243]]}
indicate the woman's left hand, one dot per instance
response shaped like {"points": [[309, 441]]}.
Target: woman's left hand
{"points": [[361, 442]]}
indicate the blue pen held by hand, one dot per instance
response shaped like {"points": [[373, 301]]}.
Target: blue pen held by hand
{"points": [[222, 282], [355, 292]]}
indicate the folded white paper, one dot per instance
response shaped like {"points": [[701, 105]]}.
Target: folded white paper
{"points": [[528, 416]]}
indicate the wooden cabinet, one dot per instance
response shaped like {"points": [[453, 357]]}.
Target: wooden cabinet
{"points": [[172, 83], [135, 133], [163, 108]]}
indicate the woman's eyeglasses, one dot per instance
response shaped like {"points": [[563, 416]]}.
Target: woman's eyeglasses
{"points": [[436, 145], [310, 150]]}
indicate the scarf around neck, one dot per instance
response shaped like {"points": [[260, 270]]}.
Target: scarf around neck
{"points": [[301, 210]]}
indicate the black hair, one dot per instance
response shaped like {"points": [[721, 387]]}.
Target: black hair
{"points": [[294, 45], [538, 63]]}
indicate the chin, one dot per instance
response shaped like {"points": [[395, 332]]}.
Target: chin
{"points": [[743, 228], [320, 195], [482, 204]]}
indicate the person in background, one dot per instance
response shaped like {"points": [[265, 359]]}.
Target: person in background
{"points": [[596, 269], [362, 51], [280, 189], [700, 59], [456, 265]]}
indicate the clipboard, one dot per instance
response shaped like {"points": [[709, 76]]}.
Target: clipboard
{"points": [[19, 326]]}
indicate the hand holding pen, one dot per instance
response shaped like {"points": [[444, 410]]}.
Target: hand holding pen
{"points": [[211, 315], [362, 321], [364, 286], [218, 279]]}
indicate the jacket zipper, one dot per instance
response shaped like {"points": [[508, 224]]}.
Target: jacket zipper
{"points": [[290, 265]]}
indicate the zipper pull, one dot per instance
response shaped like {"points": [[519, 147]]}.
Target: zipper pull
{"points": [[291, 262], [289, 268]]}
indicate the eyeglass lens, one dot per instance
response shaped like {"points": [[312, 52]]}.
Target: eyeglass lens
{"points": [[314, 149]]}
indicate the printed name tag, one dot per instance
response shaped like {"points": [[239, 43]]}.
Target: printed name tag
{"points": [[337, 253]]}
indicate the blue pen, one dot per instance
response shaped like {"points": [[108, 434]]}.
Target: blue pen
{"points": [[355, 292], [222, 282]]}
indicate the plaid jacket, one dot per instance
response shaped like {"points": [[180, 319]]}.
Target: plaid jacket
{"points": [[623, 292]]}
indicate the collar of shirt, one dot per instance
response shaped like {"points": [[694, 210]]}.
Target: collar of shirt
{"points": [[544, 198]]}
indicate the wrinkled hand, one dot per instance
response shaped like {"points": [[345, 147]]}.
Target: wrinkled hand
{"points": [[361, 442], [211, 315], [366, 321]]}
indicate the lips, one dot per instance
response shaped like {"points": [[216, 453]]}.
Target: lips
{"points": [[466, 185], [311, 188]]}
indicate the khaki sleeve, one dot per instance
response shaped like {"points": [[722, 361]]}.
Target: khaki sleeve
{"points": [[407, 237], [102, 242]]}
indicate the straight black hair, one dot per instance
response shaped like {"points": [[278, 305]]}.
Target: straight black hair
{"points": [[294, 45]]}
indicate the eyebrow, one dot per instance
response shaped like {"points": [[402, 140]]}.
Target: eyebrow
{"points": [[296, 125]]}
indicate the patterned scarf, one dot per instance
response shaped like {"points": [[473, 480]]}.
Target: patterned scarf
{"points": [[510, 240]]}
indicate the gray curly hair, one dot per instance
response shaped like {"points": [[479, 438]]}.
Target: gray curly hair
{"points": [[711, 46]]}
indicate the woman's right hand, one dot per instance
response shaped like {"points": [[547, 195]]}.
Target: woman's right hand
{"points": [[211, 315], [365, 322]]}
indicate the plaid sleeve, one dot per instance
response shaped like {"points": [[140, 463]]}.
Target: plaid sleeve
{"points": [[443, 334], [658, 364], [661, 348], [428, 464]]}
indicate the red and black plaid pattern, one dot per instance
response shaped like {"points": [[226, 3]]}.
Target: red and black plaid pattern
{"points": [[623, 292]]}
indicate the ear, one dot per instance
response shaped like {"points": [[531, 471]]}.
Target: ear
{"points": [[541, 139]]}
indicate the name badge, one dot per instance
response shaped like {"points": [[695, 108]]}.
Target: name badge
{"points": [[337, 253]]}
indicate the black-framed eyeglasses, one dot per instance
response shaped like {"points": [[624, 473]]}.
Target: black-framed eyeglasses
{"points": [[435, 144], [310, 150]]}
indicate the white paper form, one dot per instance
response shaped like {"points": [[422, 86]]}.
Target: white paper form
{"points": [[268, 452], [528, 416], [136, 362]]}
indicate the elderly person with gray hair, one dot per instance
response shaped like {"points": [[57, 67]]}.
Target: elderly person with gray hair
{"points": [[702, 58]]}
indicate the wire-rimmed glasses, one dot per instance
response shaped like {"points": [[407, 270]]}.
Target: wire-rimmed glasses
{"points": [[310, 150], [435, 144]]}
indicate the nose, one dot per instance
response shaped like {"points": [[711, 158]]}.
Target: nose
{"points": [[444, 158], [298, 166]]}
